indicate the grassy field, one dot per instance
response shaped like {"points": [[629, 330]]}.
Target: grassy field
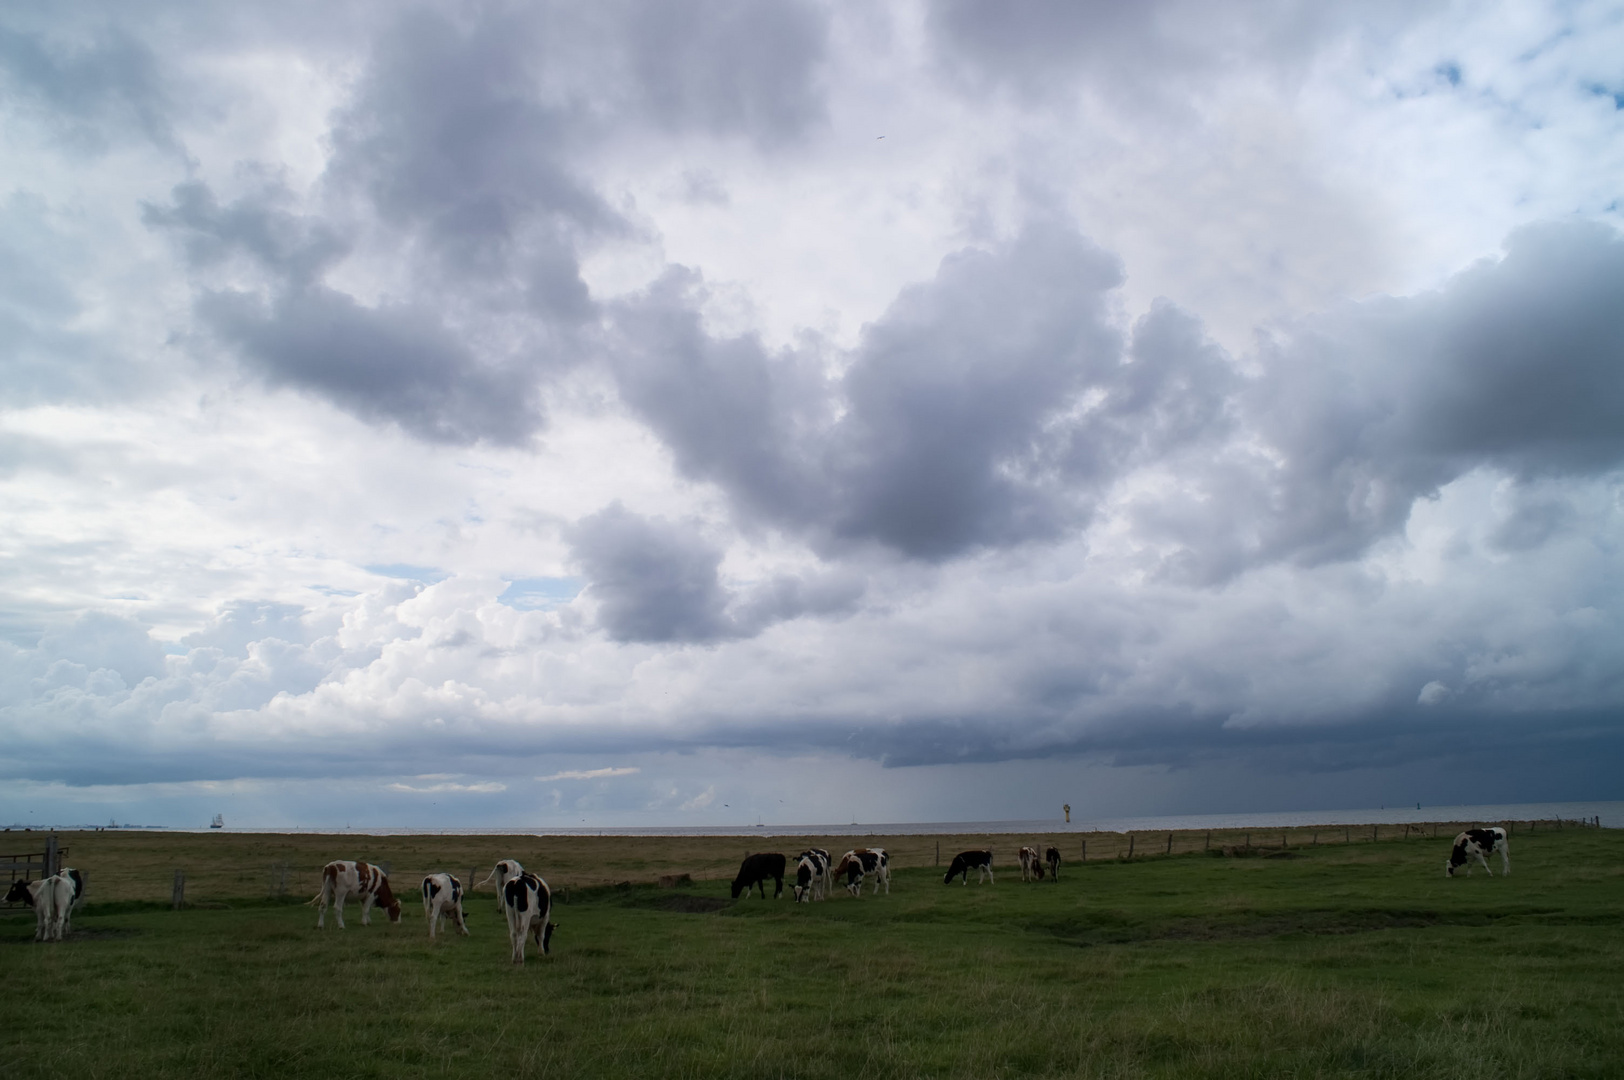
{"points": [[1354, 959]]}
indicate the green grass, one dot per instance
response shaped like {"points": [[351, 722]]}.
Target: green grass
{"points": [[1359, 960]]}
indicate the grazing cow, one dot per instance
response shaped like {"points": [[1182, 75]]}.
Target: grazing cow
{"points": [[1052, 857], [1031, 864], [860, 863], [504, 871], [1479, 844], [528, 903], [811, 876], [756, 869], [51, 898], [442, 896], [341, 878], [965, 861]]}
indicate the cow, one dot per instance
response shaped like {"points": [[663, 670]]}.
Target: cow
{"points": [[340, 878], [504, 870], [52, 901], [528, 904], [1479, 844], [965, 861], [860, 863], [756, 869], [442, 896], [1052, 857], [1031, 864], [811, 876]]}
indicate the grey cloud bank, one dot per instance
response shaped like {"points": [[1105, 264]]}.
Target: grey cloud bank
{"points": [[447, 287]]}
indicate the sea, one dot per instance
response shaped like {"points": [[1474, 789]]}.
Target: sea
{"points": [[1610, 814]]}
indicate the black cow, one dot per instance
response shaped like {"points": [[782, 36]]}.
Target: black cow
{"points": [[1052, 857], [1479, 844], [756, 869], [965, 861]]}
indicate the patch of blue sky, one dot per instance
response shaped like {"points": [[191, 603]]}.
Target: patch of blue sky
{"points": [[540, 594]]}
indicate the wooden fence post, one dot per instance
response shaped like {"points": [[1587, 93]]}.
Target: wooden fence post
{"points": [[1206, 845], [1085, 850], [1375, 833], [1282, 840], [1130, 845], [939, 852], [1169, 844], [1347, 835], [178, 897], [51, 857]]}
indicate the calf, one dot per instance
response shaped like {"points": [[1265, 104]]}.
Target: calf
{"points": [[1479, 844], [442, 896], [1052, 857], [1031, 864], [859, 863], [52, 901], [965, 861], [504, 871], [528, 904], [811, 875], [756, 869], [341, 878]]}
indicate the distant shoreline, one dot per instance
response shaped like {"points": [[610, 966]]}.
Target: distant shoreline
{"points": [[1611, 814]]}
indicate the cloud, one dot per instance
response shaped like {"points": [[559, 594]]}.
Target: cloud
{"points": [[653, 580], [590, 774], [483, 787]]}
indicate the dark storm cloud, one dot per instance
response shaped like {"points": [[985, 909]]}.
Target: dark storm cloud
{"points": [[1136, 54], [658, 581], [653, 580], [393, 362], [1516, 365], [727, 66], [98, 90], [950, 426]]}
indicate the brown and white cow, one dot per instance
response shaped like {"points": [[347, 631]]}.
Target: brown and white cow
{"points": [[504, 871], [52, 901], [528, 904], [342, 878], [860, 863], [442, 896], [1031, 864], [966, 861], [1479, 844], [1052, 858]]}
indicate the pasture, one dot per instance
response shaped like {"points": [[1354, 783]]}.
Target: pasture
{"points": [[1359, 959]]}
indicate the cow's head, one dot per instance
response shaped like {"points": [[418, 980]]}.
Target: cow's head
{"points": [[385, 898], [19, 894], [738, 887]]}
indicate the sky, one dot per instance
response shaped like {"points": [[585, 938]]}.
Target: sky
{"points": [[692, 412]]}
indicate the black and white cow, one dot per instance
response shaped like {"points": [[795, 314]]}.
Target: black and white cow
{"points": [[528, 904], [1031, 864], [1479, 844], [1052, 857], [860, 863], [442, 896], [52, 901], [811, 876], [342, 878], [756, 869], [966, 861], [504, 871]]}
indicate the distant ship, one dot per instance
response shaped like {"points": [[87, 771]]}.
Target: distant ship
{"points": [[219, 822]]}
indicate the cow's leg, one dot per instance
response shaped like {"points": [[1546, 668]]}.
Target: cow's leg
{"points": [[1485, 863], [456, 909], [338, 906], [1505, 859], [778, 888]]}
